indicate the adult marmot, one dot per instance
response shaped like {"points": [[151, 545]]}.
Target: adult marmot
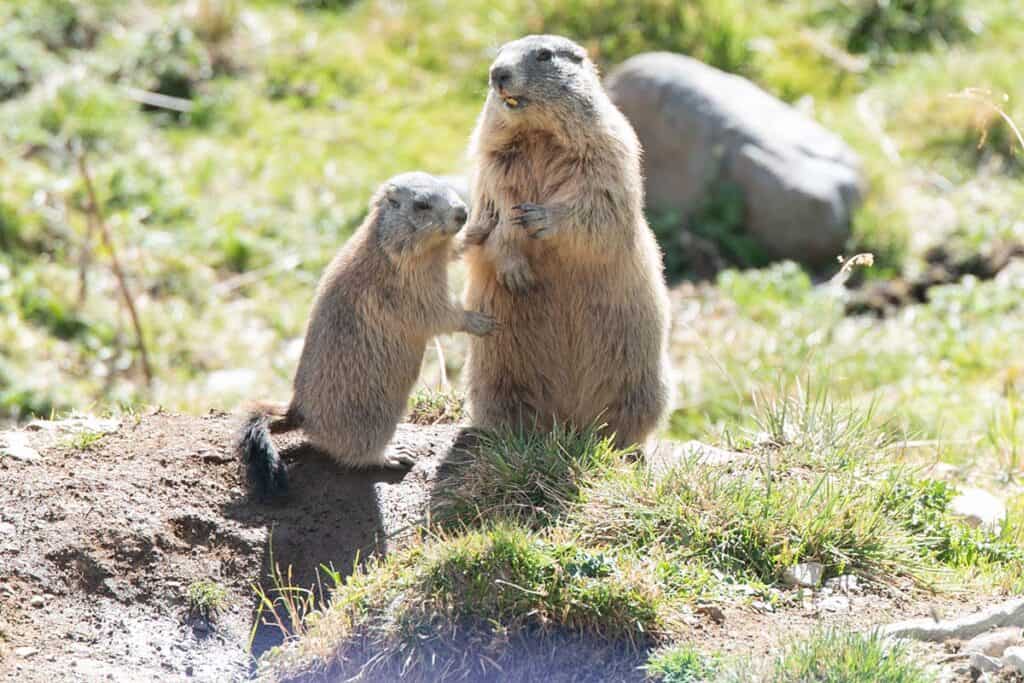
{"points": [[561, 253], [379, 302]]}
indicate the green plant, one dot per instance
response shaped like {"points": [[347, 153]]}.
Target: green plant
{"points": [[84, 440], [681, 664], [431, 407], [206, 599]]}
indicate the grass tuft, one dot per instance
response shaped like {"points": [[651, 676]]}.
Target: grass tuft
{"points": [[837, 656], [206, 599], [529, 477]]}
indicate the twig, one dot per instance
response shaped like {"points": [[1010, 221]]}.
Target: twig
{"points": [[441, 364], [985, 97], [108, 242], [865, 259], [83, 260], [874, 124], [159, 100]]}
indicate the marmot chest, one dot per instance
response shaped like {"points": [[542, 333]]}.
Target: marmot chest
{"points": [[532, 171]]}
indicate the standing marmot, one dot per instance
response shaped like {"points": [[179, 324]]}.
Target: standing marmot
{"points": [[562, 253], [378, 304]]}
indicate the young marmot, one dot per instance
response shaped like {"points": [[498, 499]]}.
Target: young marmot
{"points": [[562, 253], [379, 302]]}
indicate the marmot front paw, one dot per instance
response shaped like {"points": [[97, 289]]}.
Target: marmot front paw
{"points": [[533, 218], [517, 277], [479, 324]]}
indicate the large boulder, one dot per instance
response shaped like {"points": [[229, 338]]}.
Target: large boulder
{"points": [[700, 127]]}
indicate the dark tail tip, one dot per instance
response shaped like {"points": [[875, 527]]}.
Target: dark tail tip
{"points": [[264, 470]]}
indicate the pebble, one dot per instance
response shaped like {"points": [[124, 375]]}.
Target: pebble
{"points": [[1014, 657], [7, 529], [979, 509], [847, 583], [835, 603], [805, 574], [25, 652], [37, 601]]}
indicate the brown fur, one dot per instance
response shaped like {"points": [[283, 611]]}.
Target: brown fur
{"points": [[381, 299], [562, 254]]}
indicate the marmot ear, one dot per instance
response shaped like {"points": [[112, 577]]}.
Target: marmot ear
{"points": [[577, 54], [389, 194]]}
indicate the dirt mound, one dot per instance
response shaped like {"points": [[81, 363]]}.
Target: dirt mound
{"points": [[99, 544]]}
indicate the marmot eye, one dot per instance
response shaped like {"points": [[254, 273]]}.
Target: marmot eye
{"points": [[422, 205], [394, 203], [544, 56]]}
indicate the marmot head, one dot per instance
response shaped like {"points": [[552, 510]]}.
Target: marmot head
{"points": [[415, 212], [538, 80]]}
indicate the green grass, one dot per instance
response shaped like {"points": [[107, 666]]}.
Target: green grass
{"points": [[83, 440], [544, 538], [834, 656]]}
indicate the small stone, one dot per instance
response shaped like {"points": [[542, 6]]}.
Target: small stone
{"points": [[984, 663], [805, 574], [1014, 657], [15, 445], [836, 603], [994, 643], [37, 601], [25, 652], [979, 509], [7, 529], [713, 611], [847, 583]]}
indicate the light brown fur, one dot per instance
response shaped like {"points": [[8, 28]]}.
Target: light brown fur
{"points": [[379, 302], [575, 275]]}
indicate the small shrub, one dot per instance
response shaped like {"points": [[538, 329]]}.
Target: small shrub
{"points": [[64, 24], [880, 27], [22, 63], [709, 30], [172, 61]]}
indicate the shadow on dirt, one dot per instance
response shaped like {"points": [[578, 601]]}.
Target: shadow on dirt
{"points": [[331, 516]]}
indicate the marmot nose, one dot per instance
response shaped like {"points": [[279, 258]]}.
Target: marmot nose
{"points": [[500, 76], [460, 215]]}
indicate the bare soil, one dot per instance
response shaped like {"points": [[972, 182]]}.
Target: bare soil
{"points": [[99, 544]]}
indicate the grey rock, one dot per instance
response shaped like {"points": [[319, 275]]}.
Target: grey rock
{"points": [[1014, 657], [700, 127], [979, 508], [1010, 613], [7, 529], [994, 643], [984, 663], [805, 575], [16, 445], [25, 652], [37, 601]]}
